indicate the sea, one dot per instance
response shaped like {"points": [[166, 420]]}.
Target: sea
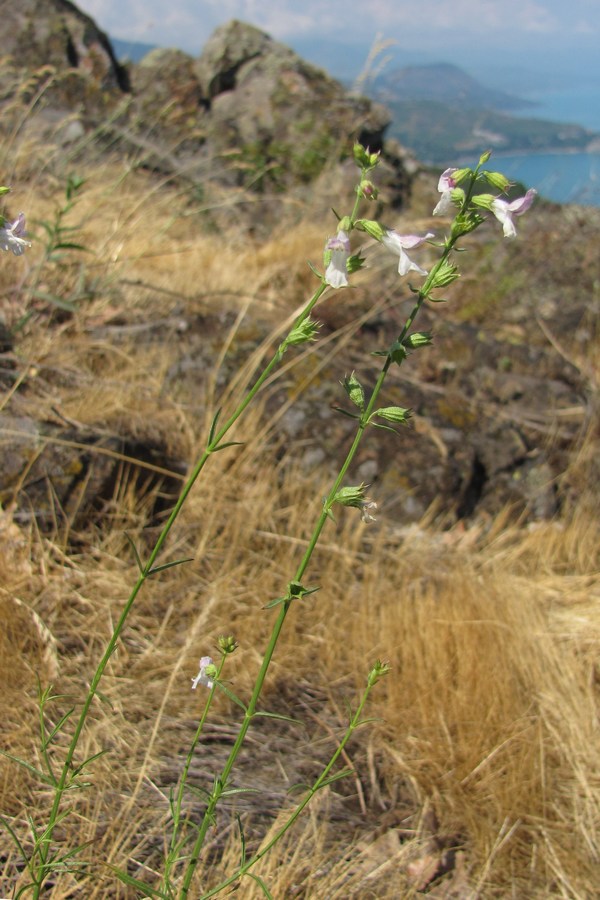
{"points": [[562, 177]]}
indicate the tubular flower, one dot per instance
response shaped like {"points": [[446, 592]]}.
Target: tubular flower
{"points": [[336, 274], [399, 243], [366, 506], [12, 236], [446, 184], [202, 677], [504, 211]]}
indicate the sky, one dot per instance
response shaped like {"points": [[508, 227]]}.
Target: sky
{"points": [[551, 35]]}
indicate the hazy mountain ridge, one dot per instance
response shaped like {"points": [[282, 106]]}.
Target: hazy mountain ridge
{"points": [[441, 112], [444, 83]]}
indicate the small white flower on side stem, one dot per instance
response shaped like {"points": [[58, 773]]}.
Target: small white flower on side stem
{"points": [[336, 274], [202, 677], [365, 506], [399, 244], [446, 184], [12, 236], [504, 211]]}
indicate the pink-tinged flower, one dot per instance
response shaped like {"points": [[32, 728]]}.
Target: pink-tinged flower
{"points": [[336, 274], [202, 677], [504, 211], [12, 236], [366, 506], [399, 243], [446, 184]]}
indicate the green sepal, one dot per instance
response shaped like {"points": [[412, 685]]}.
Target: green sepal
{"points": [[355, 390], [417, 339], [396, 414], [397, 353], [497, 180], [4, 190], [295, 592], [445, 275]]}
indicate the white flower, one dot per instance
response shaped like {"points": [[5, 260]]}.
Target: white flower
{"points": [[446, 184], [336, 274], [365, 506], [12, 236], [504, 211], [202, 677], [399, 243]]}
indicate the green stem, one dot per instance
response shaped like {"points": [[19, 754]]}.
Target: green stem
{"points": [[318, 784], [174, 843], [285, 605], [63, 781]]}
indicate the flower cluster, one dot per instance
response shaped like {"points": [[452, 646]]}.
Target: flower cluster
{"points": [[464, 203]]}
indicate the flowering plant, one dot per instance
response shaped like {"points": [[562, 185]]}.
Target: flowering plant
{"points": [[437, 268]]}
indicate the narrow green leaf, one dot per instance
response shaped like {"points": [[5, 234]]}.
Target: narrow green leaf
{"points": [[345, 412], [343, 774], [86, 762], [71, 245], [15, 837], [136, 883], [135, 553], [50, 735], [272, 715], [231, 695], [275, 602], [385, 427], [25, 765], [242, 840], [55, 301], [229, 792], [213, 426], [170, 565], [228, 444], [198, 792], [261, 884]]}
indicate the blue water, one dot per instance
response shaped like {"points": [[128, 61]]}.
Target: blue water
{"points": [[564, 178]]}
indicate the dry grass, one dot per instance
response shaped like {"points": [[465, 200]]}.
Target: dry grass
{"points": [[483, 760]]}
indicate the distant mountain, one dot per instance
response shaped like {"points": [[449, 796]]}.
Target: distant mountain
{"points": [[442, 83], [130, 51]]}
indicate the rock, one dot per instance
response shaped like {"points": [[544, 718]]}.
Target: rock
{"points": [[56, 33]]}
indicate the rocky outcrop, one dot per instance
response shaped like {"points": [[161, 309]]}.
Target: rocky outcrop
{"points": [[56, 33], [249, 112]]}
